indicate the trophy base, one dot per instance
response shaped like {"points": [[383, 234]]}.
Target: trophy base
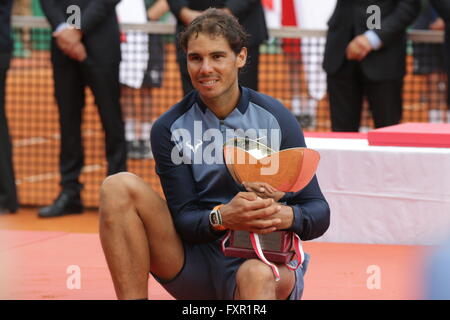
{"points": [[276, 246], [276, 257]]}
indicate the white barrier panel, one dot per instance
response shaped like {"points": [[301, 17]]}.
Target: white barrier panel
{"points": [[384, 195]]}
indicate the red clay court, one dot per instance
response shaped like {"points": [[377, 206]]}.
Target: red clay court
{"points": [[37, 256]]}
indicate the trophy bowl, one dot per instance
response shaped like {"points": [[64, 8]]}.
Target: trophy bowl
{"points": [[288, 170]]}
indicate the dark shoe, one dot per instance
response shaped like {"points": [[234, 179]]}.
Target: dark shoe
{"points": [[66, 203]]}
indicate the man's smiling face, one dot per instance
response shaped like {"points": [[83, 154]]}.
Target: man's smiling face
{"points": [[213, 66]]}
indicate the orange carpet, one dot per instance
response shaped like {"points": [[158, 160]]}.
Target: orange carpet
{"points": [[61, 258]]}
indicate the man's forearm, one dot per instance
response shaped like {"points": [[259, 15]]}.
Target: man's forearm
{"points": [[157, 10]]}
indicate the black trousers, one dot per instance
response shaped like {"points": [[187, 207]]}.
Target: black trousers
{"points": [[8, 194], [70, 82], [248, 76], [346, 90]]}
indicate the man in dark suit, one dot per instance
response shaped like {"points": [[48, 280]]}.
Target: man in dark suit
{"points": [[8, 196], [361, 61], [443, 9], [250, 15], [88, 54]]}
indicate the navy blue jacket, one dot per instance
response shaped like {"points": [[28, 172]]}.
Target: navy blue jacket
{"points": [[187, 144]]}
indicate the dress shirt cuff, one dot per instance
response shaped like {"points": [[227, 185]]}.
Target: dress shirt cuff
{"points": [[62, 26], [374, 39]]}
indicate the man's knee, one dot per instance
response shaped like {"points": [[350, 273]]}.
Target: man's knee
{"points": [[254, 272], [116, 183], [116, 193]]}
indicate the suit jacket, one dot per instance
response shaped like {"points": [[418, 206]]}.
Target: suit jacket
{"points": [[443, 8], [249, 13], [99, 24], [349, 19], [5, 33]]}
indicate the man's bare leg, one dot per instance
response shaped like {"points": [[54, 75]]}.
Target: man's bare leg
{"points": [[255, 281], [137, 235]]}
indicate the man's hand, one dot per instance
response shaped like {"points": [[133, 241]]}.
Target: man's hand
{"points": [[78, 52], [157, 10], [69, 41], [438, 24], [227, 10], [67, 38], [358, 48], [187, 15], [246, 211], [263, 190]]}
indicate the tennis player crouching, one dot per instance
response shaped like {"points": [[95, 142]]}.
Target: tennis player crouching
{"points": [[173, 239]]}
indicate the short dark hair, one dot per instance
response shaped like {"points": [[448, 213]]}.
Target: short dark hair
{"points": [[216, 22]]}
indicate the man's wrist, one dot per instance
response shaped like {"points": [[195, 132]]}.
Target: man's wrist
{"points": [[62, 26], [215, 219], [279, 195], [374, 39], [185, 14], [288, 217], [227, 10]]}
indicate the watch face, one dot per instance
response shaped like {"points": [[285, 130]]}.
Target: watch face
{"points": [[214, 220]]}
